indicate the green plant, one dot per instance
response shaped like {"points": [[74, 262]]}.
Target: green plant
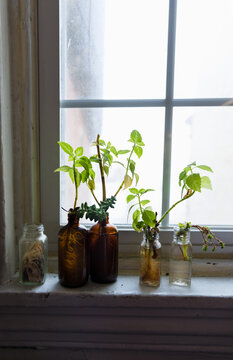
{"points": [[78, 160], [107, 155], [190, 181]]}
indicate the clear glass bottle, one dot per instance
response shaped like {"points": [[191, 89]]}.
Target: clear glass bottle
{"points": [[180, 262], [33, 248], [150, 260]]}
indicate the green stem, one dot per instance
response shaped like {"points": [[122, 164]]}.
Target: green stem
{"points": [[126, 172], [101, 168], [95, 197], [76, 187], [172, 207]]}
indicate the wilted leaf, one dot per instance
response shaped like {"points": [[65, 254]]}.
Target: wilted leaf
{"points": [[127, 181]]}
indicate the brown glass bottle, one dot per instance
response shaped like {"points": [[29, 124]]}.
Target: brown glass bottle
{"points": [[103, 239], [73, 253]]}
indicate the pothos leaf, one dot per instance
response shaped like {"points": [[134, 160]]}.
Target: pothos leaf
{"points": [[144, 202], [134, 191], [137, 178], [66, 147], [79, 151], [71, 173], [121, 152], [194, 182], [148, 217], [206, 183], [205, 167], [127, 181], [130, 198], [138, 151], [63, 168], [91, 184]]}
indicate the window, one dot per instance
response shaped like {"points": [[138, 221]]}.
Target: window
{"points": [[147, 65]]}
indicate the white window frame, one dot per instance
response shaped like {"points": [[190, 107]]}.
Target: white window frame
{"points": [[50, 105]]}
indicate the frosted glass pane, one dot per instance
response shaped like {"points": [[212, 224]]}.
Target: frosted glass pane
{"points": [[79, 127], [113, 49], [204, 49], [204, 135]]}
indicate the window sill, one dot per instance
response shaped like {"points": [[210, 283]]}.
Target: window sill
{"points": [[120, 317]]}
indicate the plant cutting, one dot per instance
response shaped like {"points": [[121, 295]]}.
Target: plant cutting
{"points": [[146, 220], [180, 262], [103, 236], [73, 247]]}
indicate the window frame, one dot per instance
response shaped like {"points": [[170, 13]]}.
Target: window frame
{"points": [[50, 104]]}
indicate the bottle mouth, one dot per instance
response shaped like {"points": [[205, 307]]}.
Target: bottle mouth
{"points": [[33, 227]]}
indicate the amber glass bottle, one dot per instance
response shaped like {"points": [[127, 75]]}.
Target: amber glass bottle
{"points": [[73, 253], [103, 239]]}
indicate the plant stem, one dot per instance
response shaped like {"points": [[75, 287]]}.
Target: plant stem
{"points": [[126, 172], [76, 187], [172, 207], [101, 168], [95, 197]]}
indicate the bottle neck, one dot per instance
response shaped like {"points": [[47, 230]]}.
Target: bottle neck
{"points": [[180, 235], [33, 229], [73, 220]]}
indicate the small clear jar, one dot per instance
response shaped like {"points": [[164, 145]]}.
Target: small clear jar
{"points": [[150, 268], [33, 248], [180, 262]]}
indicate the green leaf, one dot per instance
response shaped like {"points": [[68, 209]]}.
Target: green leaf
{"points": [[182, 175], [142, 191], [132, 207], [66, 147], [135, 136], [79, 151], [144, 202], [205, 167], [192, 164], [71, 173], [78, 177], [136, 215], [206, 182], [194, 182], [108, 145], [84, 162], [106, 169], [148, 217], [138, 151], [63, 168], [130, 198], [134, 191], [147, 190], [121, 152], [102, 142], [118, 162], [113, 150], [132, 166], [92, 173], [91, 184], [137, 178], [84, 175], [127, 181], [94, 159]]}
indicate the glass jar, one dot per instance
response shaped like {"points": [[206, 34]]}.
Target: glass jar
{"points": [[33, 247], [180, 262], [73, 253], [150, 259], [104, 252]]}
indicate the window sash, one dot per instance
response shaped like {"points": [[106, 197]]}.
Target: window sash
{"points": [[49, 118]]}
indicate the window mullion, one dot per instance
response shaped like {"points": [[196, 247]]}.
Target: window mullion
{"points": [[169, 107]]}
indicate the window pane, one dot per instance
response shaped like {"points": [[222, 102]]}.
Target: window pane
{"points": [[204, 49], [113, 49], [79, 127], [204, 135]]}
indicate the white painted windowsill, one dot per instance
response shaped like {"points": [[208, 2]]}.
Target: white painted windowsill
{"points": [[122, 317]]}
